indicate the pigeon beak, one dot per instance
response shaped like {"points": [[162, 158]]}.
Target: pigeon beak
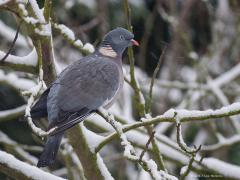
{"points": [[134, 42]]}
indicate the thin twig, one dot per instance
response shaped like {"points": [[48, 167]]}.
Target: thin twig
{"points": [[140, 105], [127, 80], [190, 164], [183, 145], [149, 101], [146, 147], [13, 43]]}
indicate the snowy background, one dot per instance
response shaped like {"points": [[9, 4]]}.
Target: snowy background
{"points": [[177, 121]]}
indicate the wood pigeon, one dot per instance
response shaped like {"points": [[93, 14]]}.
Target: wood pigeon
{"points": [[84, 86]]}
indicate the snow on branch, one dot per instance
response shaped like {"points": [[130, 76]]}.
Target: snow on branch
{"points": [[225, 142], [104, 171], [228, 76], [20, 170], [68, 34], [12, 113], [30, 59], [195, 115], [15, 81], [92, 138], [35, 18], [36, 10], [178, 116], [226, 169], [183, 145], [26, 63], [16, 149]]}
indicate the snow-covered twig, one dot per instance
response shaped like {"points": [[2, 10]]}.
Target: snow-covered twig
{"points": [[146, 147], [68, 34], [214, 86], [26, 63], [181, 115], [20, 170], [225, 142], [130, 153], [72, 162], [183, 145], [16, 149], [192, 151], [186, 169], [17, 82], [228, 76], [172, 152], [223, 168], [12, 113], [33, 93]]}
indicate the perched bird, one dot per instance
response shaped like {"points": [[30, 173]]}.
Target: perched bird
{"points": [[84, 86]]}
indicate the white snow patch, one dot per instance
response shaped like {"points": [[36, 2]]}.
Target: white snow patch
{"points": [[37, 11], [193, 55], [23, 9], [66, 31], [78, 43], [158, 174], [31, 20], [42, 32], [89, 47]]}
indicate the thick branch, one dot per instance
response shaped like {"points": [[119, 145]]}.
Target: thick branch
{"points": [[87, 158], [16, 169]]}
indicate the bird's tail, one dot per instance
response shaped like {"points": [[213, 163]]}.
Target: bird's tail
{"points": [[50, 150]]}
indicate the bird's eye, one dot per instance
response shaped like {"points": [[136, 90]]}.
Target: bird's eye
{"points": [[122, 37]]}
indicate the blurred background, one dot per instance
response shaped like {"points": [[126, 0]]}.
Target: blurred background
{"points": [[202, 41]]}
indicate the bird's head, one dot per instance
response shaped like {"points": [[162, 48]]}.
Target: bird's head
{"points": [[116, 41]]}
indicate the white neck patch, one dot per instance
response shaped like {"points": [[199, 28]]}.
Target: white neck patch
{"points": [[108, 51]]}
